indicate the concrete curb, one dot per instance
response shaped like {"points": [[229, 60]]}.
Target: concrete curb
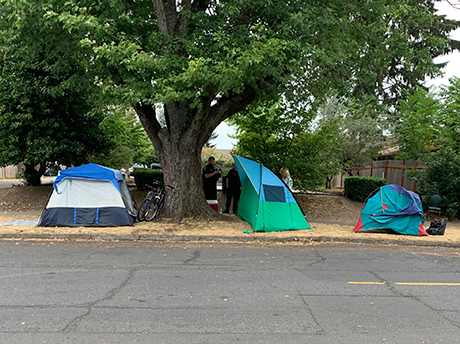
{"points": [[229, 239]]}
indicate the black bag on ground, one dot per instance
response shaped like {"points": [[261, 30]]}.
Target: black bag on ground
{"points": [[437, 227]]}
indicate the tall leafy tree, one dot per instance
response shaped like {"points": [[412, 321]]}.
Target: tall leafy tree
{"points": [[427, 122], [130, 142], [279, 135], [450, 103], [440, 176], [427, 128], [420, 125], [361, 134], [207, 60], [351, 132], [46, 117], [361, 140]]}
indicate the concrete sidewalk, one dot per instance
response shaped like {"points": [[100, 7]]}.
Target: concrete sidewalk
{"points": [[7, 183]]}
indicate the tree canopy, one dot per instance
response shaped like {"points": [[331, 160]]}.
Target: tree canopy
{"points": [[428, 122], [129, 141], [359, 127], [427, 128], [279, 136], [46, 117], [207, 60], [315, 144]]}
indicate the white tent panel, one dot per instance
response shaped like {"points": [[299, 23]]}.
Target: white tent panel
{"points": [[85, 193]]}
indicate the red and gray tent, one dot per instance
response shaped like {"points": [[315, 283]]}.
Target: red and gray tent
{"points": [[392, 209]]}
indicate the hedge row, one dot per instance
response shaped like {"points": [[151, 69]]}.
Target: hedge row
{"points": [[143, 177], [359, 188]]}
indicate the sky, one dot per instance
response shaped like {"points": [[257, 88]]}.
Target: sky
{"points": [[453, 59], [452, 69]]}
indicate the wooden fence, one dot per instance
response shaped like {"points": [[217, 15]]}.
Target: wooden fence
{"points": [[9, 172], [394, 171]]}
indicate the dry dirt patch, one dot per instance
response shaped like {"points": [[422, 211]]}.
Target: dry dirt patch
{"points": [[329, 215]]}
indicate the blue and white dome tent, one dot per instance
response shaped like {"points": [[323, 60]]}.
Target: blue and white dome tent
{"points": [[89, 195]]}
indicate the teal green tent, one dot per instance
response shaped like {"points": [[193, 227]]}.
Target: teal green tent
{"points": [[392, 209], [265, 201]]}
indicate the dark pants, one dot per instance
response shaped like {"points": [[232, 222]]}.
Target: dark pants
{"points": [[210, 192], [235, 194]]}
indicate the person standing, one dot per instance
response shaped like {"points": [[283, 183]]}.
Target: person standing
{"points": [[123, 172], [233, 190], [210, 176], [286, 176]]}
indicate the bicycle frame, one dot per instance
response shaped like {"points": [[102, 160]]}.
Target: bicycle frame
{"points": [[146, 204], [160, 197], [153, 202]]}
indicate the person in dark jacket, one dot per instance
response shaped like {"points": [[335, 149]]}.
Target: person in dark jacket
{"points": [[210, 176], [233, 190]]}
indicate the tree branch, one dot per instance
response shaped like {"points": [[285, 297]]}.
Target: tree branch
{"points": [[166, 15], [187, 5], [245, 16], [183, 19], [148, 117], [229, 105], [200, 5], [224, 108]]}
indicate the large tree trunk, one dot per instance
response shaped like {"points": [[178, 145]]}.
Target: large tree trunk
{"points": [[33, 176], [182, 169], [178, 146]]}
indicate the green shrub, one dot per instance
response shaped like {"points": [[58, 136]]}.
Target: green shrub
{"points": [[142, 177], [359, 188], [441, 175]]}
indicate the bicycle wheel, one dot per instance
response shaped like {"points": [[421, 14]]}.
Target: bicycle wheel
{"points": [[143, 209], [153, 209]]}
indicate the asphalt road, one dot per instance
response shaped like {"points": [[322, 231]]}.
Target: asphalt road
{"points": [[70, 292]]}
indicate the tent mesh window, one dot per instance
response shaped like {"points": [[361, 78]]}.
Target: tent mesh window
{"points": [[274, 193]]}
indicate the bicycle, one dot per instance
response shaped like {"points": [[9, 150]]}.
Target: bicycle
{"points": [[153, 202]]}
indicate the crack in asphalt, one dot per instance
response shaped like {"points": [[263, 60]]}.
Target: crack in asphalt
{"points": [[196, 255], [409, 296], [321, 258], [320, 330], [390, 287], [437, 312], [72, 325]]}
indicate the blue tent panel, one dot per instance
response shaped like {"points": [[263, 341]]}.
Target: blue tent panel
{"points": [[259, 175], [90, 171], [248, 169], [95, 217]]}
